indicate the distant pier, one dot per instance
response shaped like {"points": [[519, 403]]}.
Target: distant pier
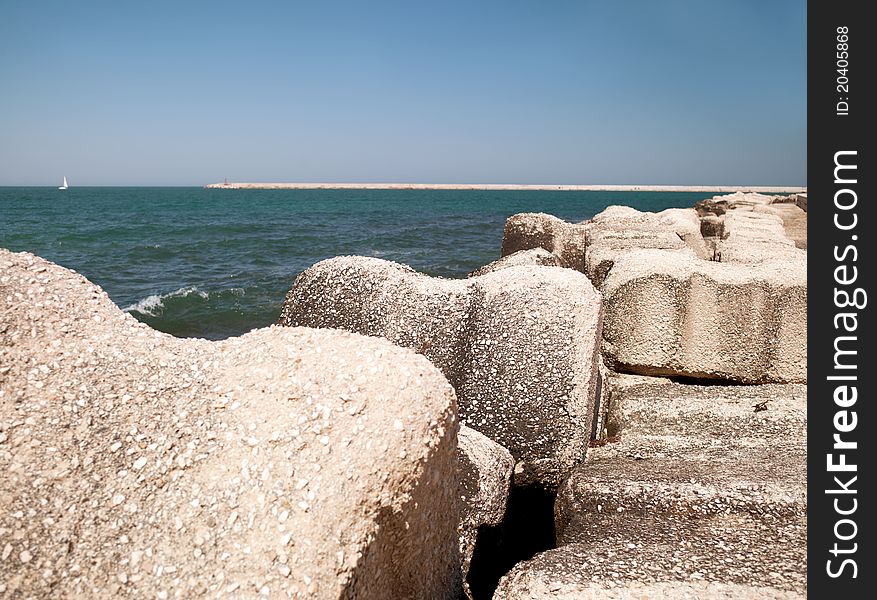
{"points": [[508, 186]]}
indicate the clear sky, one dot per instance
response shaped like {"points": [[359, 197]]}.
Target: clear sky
{"points": [[591, 92]]}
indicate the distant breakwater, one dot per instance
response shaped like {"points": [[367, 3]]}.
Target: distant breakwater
{"points": [[508, 187]]}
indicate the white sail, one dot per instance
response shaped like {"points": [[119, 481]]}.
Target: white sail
{"points": [[64, 187]]}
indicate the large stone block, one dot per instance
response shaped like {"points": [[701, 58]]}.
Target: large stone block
{"points": [[698, 451], [619, 230], [612, 570], [752, 237], [705, 494], [674, 315], [526, 231], [792, 213], [534, 256], [486, 470], [286, 462], [519, 345]]}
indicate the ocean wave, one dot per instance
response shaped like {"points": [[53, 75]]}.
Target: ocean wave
{"points": [[152, 305], [215, 314]]}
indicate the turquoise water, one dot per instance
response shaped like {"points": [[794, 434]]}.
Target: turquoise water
{"points": [[216, 263]]}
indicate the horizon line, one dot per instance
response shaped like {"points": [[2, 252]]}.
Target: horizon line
{"points": [[455, 186]]}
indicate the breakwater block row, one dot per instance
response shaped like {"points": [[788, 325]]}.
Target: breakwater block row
{"points": [[731, 306]]}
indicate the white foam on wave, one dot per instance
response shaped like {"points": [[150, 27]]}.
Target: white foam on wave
{"points": [[152, 305]]}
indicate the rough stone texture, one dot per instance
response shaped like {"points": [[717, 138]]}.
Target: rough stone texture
{"points": [[741, 317], [612, 417], [694, 450], [712, 226], [801, 201], [793, 215], [705, 494], [752, 237], [610, 570], [534, 256], [566, 241], [715, 206], [486, 470], [750, 234], [519, 346], [591, 246], [285, 462], [620, 230], [674, 315], [740, 200], [732, 306], [794, 221], [612, 232]]}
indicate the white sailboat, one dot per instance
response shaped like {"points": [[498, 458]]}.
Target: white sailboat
{"points": [[64, 186]]}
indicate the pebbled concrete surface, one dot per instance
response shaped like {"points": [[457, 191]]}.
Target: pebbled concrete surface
{"points": [[486, 470], [285, 462], [704, 495], [519, 345]]}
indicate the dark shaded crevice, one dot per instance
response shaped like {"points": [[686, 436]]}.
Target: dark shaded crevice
{"points": [[528, 529], [711, 206], [706, 382], [706, 379], [598, 393]]}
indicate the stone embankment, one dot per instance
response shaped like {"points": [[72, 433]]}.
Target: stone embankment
{"points": [[313, 462]]}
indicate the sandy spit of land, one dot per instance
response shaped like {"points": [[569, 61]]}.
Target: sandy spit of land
{"points": [[506, 186]]}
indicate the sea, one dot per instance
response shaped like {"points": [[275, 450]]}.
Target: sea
{"points": [[216, 263]]}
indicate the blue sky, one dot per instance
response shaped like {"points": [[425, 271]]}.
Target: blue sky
{"points": [[608, 92]]}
